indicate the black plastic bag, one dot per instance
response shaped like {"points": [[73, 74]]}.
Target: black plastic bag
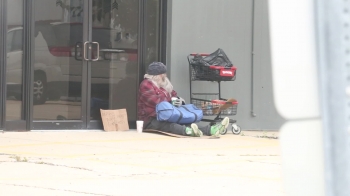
{"points": [[217, 58], [202, 66], [199, 61]]}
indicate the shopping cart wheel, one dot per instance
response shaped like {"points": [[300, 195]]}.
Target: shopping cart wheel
{"points": [[236, 129]]}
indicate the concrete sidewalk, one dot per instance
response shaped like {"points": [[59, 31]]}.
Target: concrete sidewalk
{"points": [[128, 163]]}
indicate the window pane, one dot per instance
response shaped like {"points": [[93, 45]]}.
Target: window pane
{"points": [[152, 31], [9, 40], [58, 59], [17, 41], [114, 75], [14, 60]]}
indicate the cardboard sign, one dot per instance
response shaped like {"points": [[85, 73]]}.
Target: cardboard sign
{"points": [[115, 120]]}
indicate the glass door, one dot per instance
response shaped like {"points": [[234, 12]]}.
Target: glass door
{"points": [[12, 64], [15, 52], [88, 56], [113, 79], [60, 63]]}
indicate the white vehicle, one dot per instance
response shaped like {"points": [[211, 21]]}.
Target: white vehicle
{"points": [[58, 60], [47, 74]]}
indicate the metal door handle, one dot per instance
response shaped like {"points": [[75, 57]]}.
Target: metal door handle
{"points": [[89, 50], [86, 59], [97, 51]]}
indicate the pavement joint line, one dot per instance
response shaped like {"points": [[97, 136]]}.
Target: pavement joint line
{"points": [[86, 143], [196, 175], [186, 165], [49, 164], [182, 170], [36, 155], [214, 163], [160, 137], [53, 189], [240, 176], [82, 142], [263, 162], [98, 173], [183, 149], [70, 178], [136, 151], [63, 156]]}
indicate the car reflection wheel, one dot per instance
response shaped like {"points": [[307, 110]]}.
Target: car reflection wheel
{"points": [[39, 89]]}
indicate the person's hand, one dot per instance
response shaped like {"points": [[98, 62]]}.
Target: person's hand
{"points": [[176, 101]]}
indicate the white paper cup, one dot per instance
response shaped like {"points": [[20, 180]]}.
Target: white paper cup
{"points": [[139, 126]]}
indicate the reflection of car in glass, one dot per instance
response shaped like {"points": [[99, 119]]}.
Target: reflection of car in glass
{"points": [[46, 75], [58, 56], [65, 43]]}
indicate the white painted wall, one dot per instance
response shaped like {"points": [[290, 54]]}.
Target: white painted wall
{"points": [[204, 26]]}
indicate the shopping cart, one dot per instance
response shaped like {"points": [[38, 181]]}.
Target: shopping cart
{"points": [[213, 104]]}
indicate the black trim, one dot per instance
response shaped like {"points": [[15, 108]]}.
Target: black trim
{"points": [[97, 124], [3, 59], [28, 56], [57, 125], [86, 71], [23, 108], [18, 125], [163, 30], [142, 66]]}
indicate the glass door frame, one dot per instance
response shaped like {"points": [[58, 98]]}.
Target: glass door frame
{"points": [[3, 55], [65, 124], [85, 122], [142, 67], [28, 123], [22, 124], [97, 124]]}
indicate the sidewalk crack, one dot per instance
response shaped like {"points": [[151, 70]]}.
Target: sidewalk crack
{"points": [[53, 189]]}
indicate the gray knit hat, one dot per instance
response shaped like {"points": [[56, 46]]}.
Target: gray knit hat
{"points": [[156, 68]]}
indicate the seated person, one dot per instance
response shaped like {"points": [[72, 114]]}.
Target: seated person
{"points": [[156, 88]]}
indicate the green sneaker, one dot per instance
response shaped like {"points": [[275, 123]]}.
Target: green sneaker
{"points": [[194, 131], [217, 129]]}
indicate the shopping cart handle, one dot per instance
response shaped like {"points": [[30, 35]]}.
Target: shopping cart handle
{"points": [[201, 54]]}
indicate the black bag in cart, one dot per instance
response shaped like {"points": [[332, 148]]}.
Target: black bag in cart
{"points": [[217, 58], [213, 67]]}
